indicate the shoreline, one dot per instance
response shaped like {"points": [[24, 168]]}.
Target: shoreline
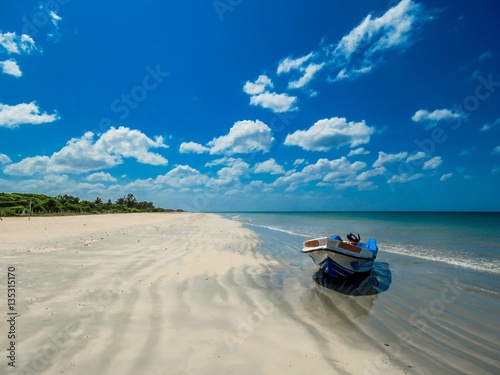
{"points": [[198, 293], [426, 317]]}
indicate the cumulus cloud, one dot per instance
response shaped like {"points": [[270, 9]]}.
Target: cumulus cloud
{"points": [[371, 173], [4, 159], [231, 174], [81, 155], [328, 133], [261, 96], [100, 176], [357, 53], [358, 151], [433, 163], [436, 116], [196, 148], [277, 103], [18, 44], [336, 172], [269, 166], [183, 176], [244, 137], [384, 158], [51, 184], [404, 177], [259, 86], [360, 50], [10, 67], [417, 156], [24, 113]]}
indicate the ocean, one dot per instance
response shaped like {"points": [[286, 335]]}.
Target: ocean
{"points": [[469, 240], [436, 280]]}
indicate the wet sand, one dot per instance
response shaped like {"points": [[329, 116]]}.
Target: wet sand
{"points": [[188, 293]]}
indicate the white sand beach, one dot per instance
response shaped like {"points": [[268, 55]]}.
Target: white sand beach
{"points": [[175, 293], [179, 293]]}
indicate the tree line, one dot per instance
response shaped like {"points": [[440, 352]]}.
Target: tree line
{"points": [[13, 204]]}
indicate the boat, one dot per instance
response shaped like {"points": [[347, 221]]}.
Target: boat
{"points": [[342, 259]]}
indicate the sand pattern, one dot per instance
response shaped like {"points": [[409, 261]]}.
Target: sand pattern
{"points": [[185, 293]]}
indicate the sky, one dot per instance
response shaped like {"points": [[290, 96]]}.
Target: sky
{"points": [[238, 105]]}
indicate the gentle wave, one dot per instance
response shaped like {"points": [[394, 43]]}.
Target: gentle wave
{"points": [[278, 229], [479, 264]]}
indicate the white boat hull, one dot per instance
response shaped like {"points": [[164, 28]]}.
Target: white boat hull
{"points": [[341, 259]]}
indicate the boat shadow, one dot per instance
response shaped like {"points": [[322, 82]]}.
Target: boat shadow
{"points": [[377, 281]]}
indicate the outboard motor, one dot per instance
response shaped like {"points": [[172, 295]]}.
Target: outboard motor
{"points": [[353, 239]]}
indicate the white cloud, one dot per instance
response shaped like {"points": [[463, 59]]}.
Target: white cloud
{"points": [[54, 18], [328, 133], [308, 74], [232, 173], [433, 163], [183, 176], [358, 151], [269, 166], [302, 65], [51, 184], [371, 173], [419, 155], [10, 67], [446, 176], [226, 160], [261, 96], [81, 155], [384, 158], [352, 73], [299, 161], [358, 51], [4, 159], [187, 147], [17, 44], [24, 113], [259, 86], [488, 126], [336, 172], [288, 63], [496, 150], [402, 178], [277, 103], [100, 176], [244, 137], [436, 116]]}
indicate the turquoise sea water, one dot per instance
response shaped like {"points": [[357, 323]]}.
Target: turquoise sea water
{"points": [[436, 279], [463, 239]]}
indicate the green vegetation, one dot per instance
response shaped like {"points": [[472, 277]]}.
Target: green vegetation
{"points": [[13, 204]]}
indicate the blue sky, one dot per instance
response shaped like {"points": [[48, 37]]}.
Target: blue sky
{"points": [[254, 105]]}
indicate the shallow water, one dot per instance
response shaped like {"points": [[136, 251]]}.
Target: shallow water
{"points": [[429, 302]]}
